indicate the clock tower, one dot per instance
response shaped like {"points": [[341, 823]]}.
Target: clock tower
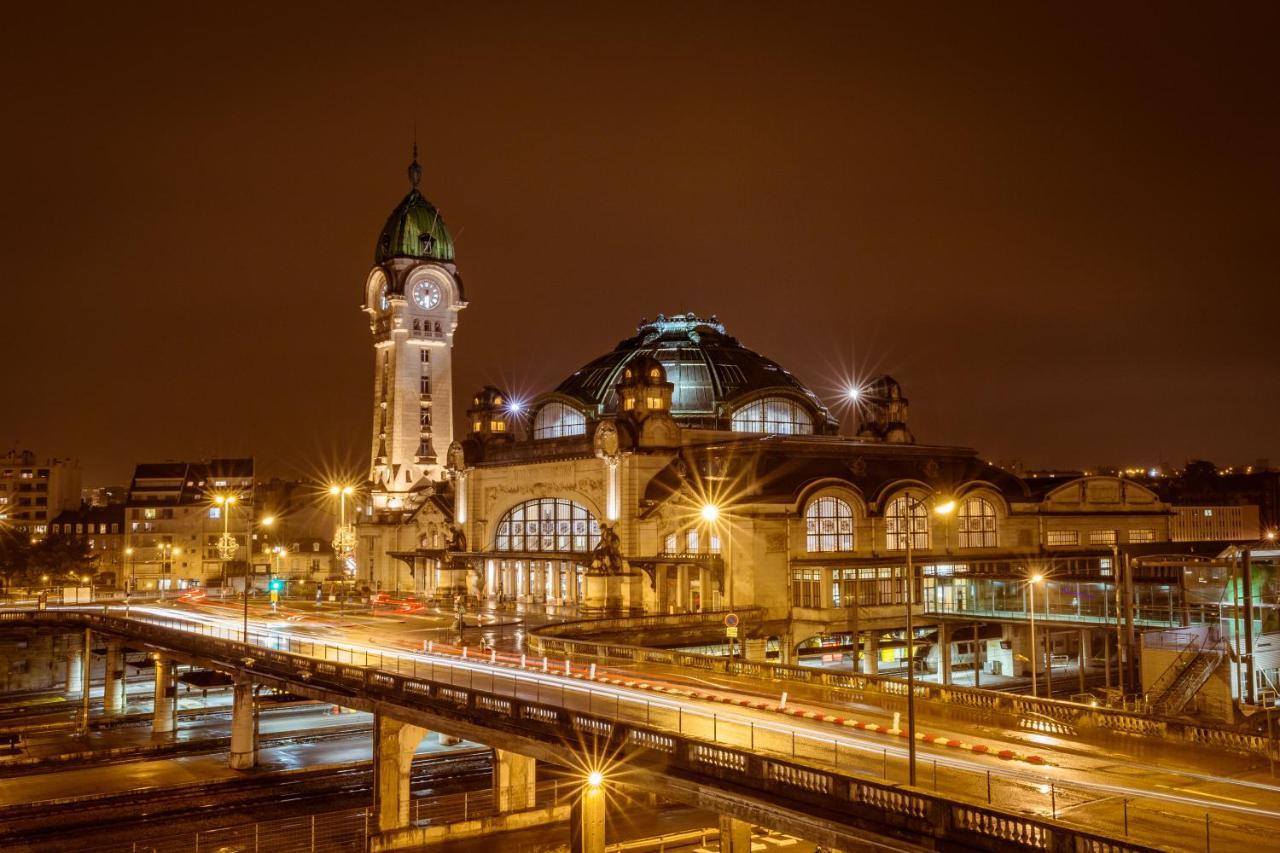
{"points": [[412, 297]]}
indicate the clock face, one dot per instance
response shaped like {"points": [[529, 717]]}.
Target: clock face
{"points": [[426, 294]]}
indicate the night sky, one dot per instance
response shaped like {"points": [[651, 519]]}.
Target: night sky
{"points": [[1058, 229]]}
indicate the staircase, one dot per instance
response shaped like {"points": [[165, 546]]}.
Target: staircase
{"points": [[1178, 684]]}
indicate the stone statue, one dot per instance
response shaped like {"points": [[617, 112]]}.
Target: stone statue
{"points": [[606, 439], [607, 556], [457, 459]]}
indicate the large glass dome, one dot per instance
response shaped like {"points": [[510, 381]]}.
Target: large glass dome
{"points": [[713, 374]]}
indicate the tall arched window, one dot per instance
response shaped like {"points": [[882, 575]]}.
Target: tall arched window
{"points": [[976, 523], [895, 525], [548, 524], [775, 415], [828, 524], [556, 420]]}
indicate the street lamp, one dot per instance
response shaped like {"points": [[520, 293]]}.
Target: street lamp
{"points": [[1035, 650], [133, 579], [344, 538], [943, 507]]}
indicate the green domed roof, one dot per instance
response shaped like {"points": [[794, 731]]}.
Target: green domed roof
{"points": [[415, 228]]}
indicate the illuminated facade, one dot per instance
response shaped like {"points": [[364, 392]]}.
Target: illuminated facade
{"points": [[412, 297], [683, 470]]}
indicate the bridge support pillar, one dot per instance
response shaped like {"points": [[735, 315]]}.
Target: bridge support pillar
{"points": [[871, 660], [164, 716], [515, 779], [586, 821], [754, 650], [244, 728], [735, 835], [75, 663], [113, 686], [944, 652], [396, 744]]}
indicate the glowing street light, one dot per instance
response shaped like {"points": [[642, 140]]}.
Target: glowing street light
{"points": [[853, 393], [942, 507], [344, 538], [1035, 650], [710, 513], [595, 779]]}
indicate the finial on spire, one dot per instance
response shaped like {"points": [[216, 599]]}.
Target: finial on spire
{"points": [[415, 171]]}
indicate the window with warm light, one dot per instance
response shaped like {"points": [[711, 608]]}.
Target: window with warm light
{"points": [[896, 524], [654, 402], [1102, 537], [773, 415], [670, 544], [1144, 535], [548, 524], [1062, 537], [976, 524], [828, 525], [691, 541], [557, 420], [497, 426]]}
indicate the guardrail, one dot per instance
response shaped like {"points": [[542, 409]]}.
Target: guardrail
{"points": [[858, 686], [828, 776]]}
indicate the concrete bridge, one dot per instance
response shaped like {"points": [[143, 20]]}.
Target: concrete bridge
{"points": [[532, 711]]}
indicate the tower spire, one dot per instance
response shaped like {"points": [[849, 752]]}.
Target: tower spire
{"points": [[415, 171]]}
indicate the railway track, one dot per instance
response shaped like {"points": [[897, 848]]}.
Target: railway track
{"points": [[64, 825]]}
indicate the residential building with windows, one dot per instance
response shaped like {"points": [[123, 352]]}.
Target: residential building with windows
{"points": [[33, 492], [173, 524], [102, 528]]}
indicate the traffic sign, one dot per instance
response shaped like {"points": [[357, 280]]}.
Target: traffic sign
{"points": [[731, 620], [731, 631]]}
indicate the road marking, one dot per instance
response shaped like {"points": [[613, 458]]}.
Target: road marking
{"points": [[1207, 794]]}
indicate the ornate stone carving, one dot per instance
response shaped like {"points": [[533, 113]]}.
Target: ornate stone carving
{"points": [[457, 459], [606, 439]]}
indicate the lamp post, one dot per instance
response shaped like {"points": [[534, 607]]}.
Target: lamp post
{"points": [[942, 508], [1035, 650], [710, 514], [344, 538], [133, 578], [227, 548]]}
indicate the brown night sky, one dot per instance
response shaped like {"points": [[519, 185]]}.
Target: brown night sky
{"points": [[1057, 229]]}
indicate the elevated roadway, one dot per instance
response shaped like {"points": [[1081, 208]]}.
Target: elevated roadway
{"points": [[811, 777]]}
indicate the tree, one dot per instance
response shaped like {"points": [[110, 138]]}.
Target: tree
{"points": [[59, 556], [15, 552]]}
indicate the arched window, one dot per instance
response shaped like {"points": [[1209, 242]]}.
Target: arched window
{"points": [[895, 525], [828, 525], [776, 415], [556, 420], [548, 524], [976, 523]]}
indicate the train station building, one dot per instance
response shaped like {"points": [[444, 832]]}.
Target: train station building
{"points": [[684, 470]]}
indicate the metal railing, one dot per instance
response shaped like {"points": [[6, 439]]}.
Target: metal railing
{"points": [[796, 768], [889, 691]]}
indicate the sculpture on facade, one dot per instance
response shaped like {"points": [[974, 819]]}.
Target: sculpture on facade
{"points": [[607, 556]]}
